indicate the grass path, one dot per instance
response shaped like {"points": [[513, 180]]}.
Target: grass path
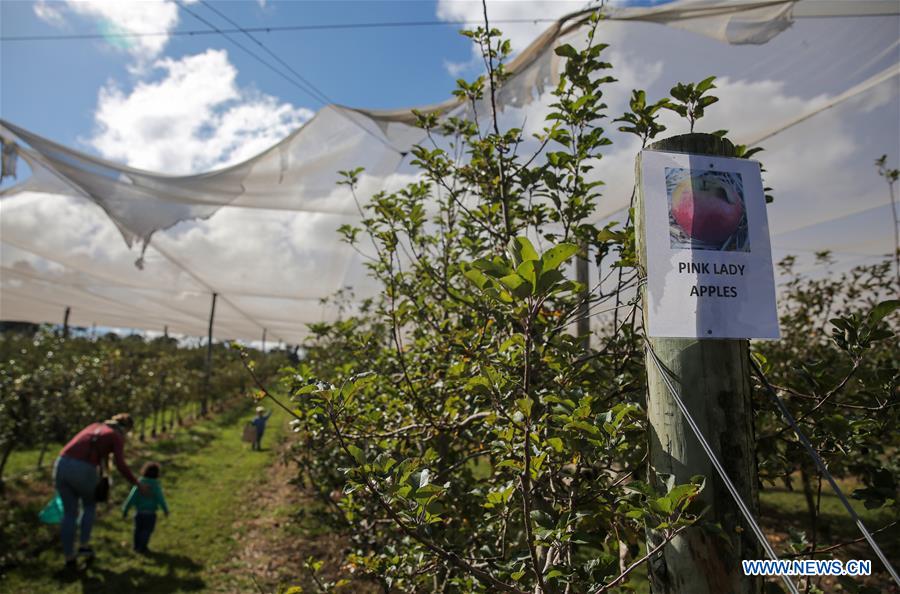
{"points": [[210, 479]]}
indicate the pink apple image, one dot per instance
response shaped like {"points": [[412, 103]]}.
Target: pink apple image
{"points": [[707, 208]]}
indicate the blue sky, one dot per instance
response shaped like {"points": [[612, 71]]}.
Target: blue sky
{"points": [[52, 87]]}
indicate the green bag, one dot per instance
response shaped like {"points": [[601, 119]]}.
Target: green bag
{"points": [[53, 511]]}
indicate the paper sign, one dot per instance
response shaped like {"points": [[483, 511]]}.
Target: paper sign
{"points": [[709, 261]]}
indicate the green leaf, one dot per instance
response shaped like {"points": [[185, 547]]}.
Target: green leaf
{"points": [[760, 360], [517, 286], [307, 389], [680, 92], [555, 443], [541, 518], [477, 277], [514, 281], [747, 153], [357, 384], [495, 266], [586, 427], [529, 270], [549, 280], [521, 250], [609, 235], [525, 405], [556, 255], [479, 383], [426, 491], [566, 51], [682, 492], [706, 84], [883, 309], [358, 455]]}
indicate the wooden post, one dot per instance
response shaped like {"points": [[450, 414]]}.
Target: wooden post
{"points": [[65, 331], [264, 341], [713, 378], [583, 327], [204, 402], [166, 331]]}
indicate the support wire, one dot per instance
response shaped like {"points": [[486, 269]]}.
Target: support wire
{"points": [[745, 511], [824, 470]]}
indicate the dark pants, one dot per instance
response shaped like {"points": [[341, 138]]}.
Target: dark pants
{"points": [[75, 480], [257, 443], [144, 523]]}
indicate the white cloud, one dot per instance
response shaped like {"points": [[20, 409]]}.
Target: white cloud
{"points": [[116, 17], [193, 118], [519, 34], [49, 13], [456, 69]]}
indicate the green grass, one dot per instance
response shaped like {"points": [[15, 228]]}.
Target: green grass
{"points": [[781, 502], [24, 462], [208, 476], [781, 507]]}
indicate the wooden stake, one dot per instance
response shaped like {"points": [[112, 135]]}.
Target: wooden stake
{"points": [[204, 402], [713, 377], [66, 322]]}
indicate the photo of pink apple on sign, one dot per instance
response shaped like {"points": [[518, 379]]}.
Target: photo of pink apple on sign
{"points": [[706, 210]]}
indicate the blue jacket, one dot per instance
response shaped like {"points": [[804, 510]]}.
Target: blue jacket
{"points": [[260, 423]]}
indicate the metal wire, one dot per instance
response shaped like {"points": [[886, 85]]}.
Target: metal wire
{"points": [[745, 511], [824, 470], [272, 29], [308, 87]]}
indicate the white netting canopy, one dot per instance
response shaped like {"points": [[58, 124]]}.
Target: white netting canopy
{"points": [[815, 82]]}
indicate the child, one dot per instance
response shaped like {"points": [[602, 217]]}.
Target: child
{"points": [[145, 518], [260, 423]]}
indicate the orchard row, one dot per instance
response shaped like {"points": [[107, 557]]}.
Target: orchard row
{"points": [[51, 386]]}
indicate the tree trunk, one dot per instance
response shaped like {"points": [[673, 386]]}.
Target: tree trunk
{"points": [[40, 462], [6, 452], [809, 496]]}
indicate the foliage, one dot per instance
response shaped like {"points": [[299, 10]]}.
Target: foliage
{"points": [[456, 430], [836, 367], [691, 100], [462, 438], [641, 119]]}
